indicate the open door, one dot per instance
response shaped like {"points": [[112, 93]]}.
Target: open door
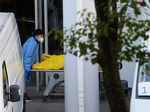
{"points": [[6, 104]]}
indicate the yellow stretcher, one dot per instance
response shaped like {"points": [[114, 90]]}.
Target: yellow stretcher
{"points": [[51, 62], [53, 65]]}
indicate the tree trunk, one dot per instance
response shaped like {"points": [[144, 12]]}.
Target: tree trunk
{"points": [[112, 83], [108, 44]]}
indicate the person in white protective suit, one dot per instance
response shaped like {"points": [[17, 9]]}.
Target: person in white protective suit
{"points": [[30, 54]]}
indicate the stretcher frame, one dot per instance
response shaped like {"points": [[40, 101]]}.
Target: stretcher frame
{"points": [[52, 79]]}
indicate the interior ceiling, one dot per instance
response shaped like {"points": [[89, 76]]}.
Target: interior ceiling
{"points": [[19, 7]]}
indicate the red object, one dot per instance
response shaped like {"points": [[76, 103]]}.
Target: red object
{"points": [[138, 2]]}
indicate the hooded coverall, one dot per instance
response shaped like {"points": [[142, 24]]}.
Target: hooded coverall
{"points": [[30, 56]]}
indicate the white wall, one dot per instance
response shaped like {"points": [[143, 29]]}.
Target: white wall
{"points": [[127, 72], [81, 78]]}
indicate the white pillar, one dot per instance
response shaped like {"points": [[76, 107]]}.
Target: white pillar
{"points": [[46, 31], [81, 77], [46, 25], [36, 13], [36, 26]]}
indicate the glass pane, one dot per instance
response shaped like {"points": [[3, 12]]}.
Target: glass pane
{"points": [[144, 73], [144, 80]]}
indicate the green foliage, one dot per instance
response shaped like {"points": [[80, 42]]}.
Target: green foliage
{"points": [[58, 35], [119, 26], [83, 38], [133, 39]]}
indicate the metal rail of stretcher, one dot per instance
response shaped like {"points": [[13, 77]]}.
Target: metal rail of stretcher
{"points": [[55, 77]]}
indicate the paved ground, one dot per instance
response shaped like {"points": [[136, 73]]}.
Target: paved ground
{"points": [[54, 104], [37, 106]]}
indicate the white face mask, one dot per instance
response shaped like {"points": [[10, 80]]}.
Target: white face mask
{"points": [[41, 40]]}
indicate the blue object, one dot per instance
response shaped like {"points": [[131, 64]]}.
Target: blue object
{"points": [[27, 76], [30, 56]]}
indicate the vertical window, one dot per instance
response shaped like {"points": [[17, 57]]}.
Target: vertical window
{"points": [[143, 82], [144, 73], [5, 84]]}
